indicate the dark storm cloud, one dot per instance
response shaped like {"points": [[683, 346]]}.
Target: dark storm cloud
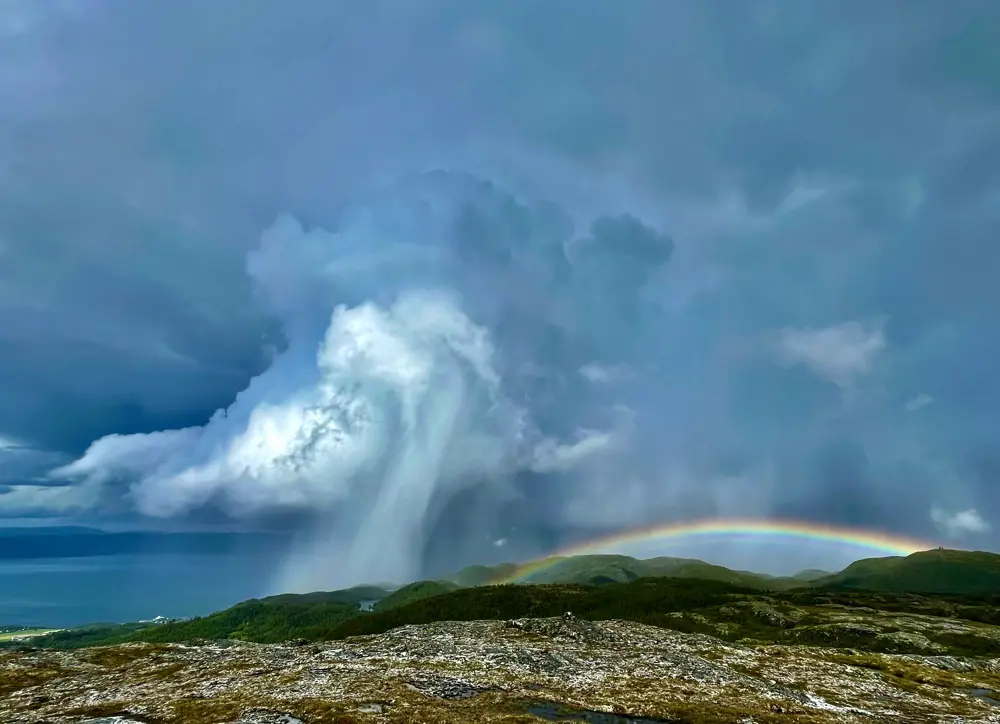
{"points": [[797, 204]]}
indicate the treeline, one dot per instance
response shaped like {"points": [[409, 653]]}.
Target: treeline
{"points": [[258, 621], [310, 617]]}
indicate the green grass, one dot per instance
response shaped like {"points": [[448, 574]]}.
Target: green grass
{"points": [[22, 633]]}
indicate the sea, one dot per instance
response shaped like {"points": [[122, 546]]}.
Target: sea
{"points": [[65, 592]]}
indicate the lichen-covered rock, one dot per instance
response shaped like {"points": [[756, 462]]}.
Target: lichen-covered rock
{"points": [[907, 641], [515, 671]]}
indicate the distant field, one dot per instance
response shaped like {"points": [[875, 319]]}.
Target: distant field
{"points": [[26, 633]]}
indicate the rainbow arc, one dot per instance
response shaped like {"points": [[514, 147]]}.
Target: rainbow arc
{"points": [[876, 541]]}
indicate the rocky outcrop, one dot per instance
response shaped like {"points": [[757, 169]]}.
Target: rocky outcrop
{"points": [[526, 670]]}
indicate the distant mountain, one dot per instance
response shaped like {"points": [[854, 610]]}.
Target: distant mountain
{"points": [[354, 596], [810, 574], [938, 571], [610, 568], [415, 592], [482, 575]]}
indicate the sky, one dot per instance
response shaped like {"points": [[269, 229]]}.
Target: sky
{"points": [[431, 283]]}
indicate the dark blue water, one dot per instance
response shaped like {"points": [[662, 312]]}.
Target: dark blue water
{"points": [[62, 592]]}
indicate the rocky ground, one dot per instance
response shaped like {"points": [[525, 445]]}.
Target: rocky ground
{"points": [[833, 625], [558, 669]]}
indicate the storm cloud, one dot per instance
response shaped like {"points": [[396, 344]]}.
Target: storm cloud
{"points": [[465, 272]]}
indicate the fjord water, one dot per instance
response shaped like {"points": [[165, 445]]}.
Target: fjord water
{"points": [[63, 592]]}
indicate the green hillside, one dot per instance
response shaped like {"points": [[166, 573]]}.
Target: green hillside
{"points": [[860, 620], [934, 571], [612, 568], [810, 574], [649, 600], [482, 575], [253, 620], [414, 592], [355, 595], [679, 593], [874, 622]]}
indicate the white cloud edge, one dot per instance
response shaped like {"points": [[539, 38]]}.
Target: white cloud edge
{"points": [[918, 402], [959, 523], [842, 353]]}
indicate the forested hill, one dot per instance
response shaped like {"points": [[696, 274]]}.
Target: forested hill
{"points": [[699, 597]]}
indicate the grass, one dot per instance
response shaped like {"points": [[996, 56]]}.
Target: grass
{"points": [[27, 633], [14, 678]]}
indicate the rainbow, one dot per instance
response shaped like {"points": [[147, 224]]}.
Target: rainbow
{"points": [[880, 542]]}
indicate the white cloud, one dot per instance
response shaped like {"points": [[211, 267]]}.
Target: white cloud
{"points": [[10, 443], [373, 413], [397, 405], [841, 354], [598, 373], [589, 446], [959, 523], [500, 542], [920, 401], [552, 456]]}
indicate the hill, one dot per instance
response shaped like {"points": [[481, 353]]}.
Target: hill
{"points": [[884, 622], [677, 593], [355, 595], [414, 592], [612, 568], [810, 574], [860, 620], [935, 571], [482, 575]]}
